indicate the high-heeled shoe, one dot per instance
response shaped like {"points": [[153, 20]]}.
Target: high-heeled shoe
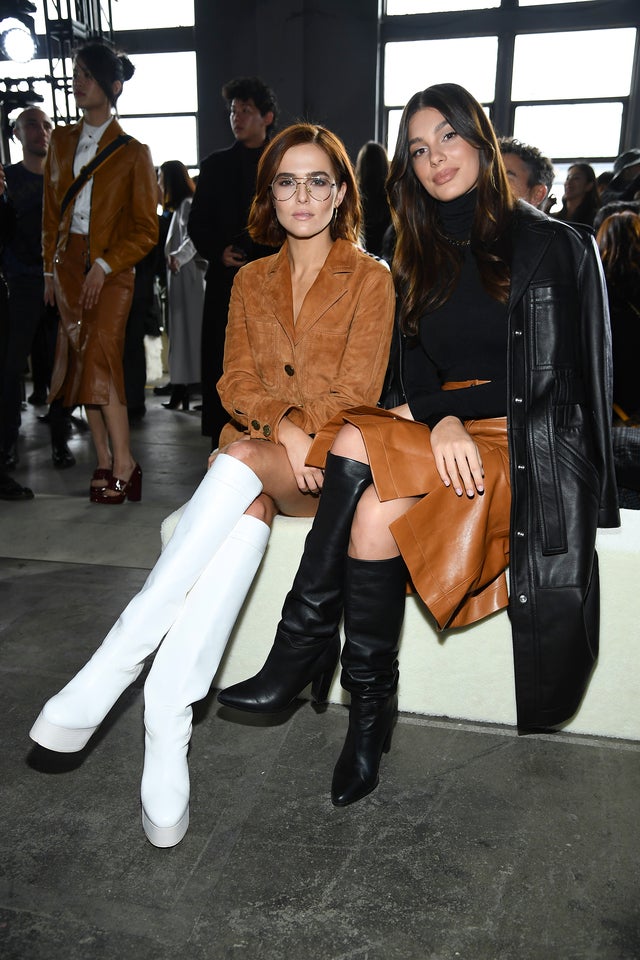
{"points": [[179, 397], [103, 474], [118, 490], [164, 391]]}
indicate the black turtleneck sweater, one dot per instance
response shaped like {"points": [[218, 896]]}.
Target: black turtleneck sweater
{"points": [[465, 339]]}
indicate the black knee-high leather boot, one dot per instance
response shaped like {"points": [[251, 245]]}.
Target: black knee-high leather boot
{"points": [[374, 602], [307, 642]]}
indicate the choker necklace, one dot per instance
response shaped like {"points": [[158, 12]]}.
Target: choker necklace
{"points": [[456, 243]]}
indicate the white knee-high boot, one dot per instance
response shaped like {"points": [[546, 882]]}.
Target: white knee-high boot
{"points": [[68, 719], [182, 672]]}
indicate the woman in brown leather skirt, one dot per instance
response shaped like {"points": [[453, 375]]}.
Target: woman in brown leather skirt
{"points": [[501, 454], [92, 239]]}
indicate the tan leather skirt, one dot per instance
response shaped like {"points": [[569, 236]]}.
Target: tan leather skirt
{"points": [[90, 343], [456, 548]]}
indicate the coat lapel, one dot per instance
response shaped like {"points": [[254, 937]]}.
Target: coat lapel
{"points": [[329, 286], [528, 250], [278, 297]]}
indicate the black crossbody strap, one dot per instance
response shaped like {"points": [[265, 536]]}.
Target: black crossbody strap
{"points": [[91, 168]]}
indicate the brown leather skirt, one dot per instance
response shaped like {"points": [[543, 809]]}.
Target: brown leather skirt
{"points": [[456, 548], [90, 343]]}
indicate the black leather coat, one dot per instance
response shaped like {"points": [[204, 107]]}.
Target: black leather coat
{"points": [[562, 475]]}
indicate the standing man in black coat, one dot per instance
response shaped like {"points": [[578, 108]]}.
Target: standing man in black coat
{"points": [[217, 226]]}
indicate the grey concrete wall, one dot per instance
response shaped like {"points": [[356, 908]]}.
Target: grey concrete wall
{"points": [[320, 58]]}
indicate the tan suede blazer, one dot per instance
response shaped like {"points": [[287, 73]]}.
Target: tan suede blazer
{"points": [[334, 357], [124, 221]]}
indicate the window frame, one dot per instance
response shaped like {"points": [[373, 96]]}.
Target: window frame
{"points": [[506, 22]]}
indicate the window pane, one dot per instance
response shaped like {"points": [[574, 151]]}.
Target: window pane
{"points": [[544, 3], [162, 83], [393, 125], [571, 130], [584, 63], [168, 138], [151, 13], [400, 7], [412, 66], [138, 14]]}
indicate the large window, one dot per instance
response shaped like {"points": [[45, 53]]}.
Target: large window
{"points": [[567, 90]]}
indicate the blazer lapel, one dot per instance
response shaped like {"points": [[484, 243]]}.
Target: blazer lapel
{"points": [[277, 293], [329, 286]]}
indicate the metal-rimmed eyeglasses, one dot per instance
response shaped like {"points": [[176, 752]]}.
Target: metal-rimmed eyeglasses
{"points": [[318, 186]]}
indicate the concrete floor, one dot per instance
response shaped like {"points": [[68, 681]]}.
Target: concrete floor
{"points": [[478, 844]]}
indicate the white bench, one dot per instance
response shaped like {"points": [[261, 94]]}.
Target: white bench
{"points": [[468, 673]]}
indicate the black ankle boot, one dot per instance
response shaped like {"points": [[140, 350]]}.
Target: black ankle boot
{"points": [[307, 643], [373, 612], [179, 397]]}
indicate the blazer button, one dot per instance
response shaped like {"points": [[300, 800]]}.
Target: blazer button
{"points": [[266, 430], [523, 598], [255, 424], [288, 369]]}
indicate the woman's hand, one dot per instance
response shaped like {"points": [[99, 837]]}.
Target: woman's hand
{"points": [[93, 283], [297, 443], [173, 264], [49, 292], [457, 457]]}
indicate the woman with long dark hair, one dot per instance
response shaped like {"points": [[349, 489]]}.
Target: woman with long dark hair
{"points": [[308, 335], [619, 243], [97, 224], [185, 284], [500, 456], [581, 198]]}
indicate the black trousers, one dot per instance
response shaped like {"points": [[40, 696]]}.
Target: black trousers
{"points": [[29, 321]]}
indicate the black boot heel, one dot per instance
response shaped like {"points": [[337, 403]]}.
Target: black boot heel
{"points": [[289, 668], [322, 683]]}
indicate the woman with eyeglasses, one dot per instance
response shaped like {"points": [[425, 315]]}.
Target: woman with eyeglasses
{"points": [[308, 335], [500, 456]]}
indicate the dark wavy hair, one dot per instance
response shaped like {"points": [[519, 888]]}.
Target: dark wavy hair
{"points": [[539, 167], [106, 66], [177, 184], [425, 266], [263, 224], [253, 88], [586, 211], [619, 243]]}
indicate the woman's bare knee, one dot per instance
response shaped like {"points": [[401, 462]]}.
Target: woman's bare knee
{"points": [[263, 508], [349, 443]]}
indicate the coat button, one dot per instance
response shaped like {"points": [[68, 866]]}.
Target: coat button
{"points": [[266, 430], [523, 598], [517, 399], [517, 333], [519, 533], [521, 466], [255, 424], [288, 369]]}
